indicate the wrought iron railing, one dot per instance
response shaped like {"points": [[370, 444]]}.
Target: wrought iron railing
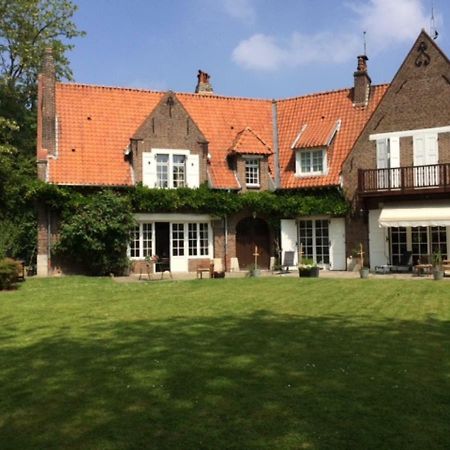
{"points": [[404, 179]]}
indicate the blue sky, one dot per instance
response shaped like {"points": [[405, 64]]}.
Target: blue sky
{"points": [[251, 48]]}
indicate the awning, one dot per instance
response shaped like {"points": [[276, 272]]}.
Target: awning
{"points": [[417, 215]]}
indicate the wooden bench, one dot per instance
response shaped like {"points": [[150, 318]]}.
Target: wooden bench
{"points": [[202, 270]]}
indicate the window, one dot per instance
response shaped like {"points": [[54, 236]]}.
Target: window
{"points": [[178, 239], [314, 237], [252, 172], [311, 162], [141, 240], [170, 170], [198, 239], [162, 171], [179, 171]]}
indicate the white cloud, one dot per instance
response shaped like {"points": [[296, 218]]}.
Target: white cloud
{"points": [[243, 10], [262, 52], [386, 22]]}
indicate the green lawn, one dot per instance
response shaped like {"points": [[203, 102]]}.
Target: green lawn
{"points": [[271, 363]]}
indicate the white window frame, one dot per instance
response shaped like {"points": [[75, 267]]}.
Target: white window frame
{"points": [[252, 172], [143, 251], [171, 166], [298, 162], [315, 236]]}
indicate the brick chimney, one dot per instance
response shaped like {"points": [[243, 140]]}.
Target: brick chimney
{"points": [[361, 89], [47, 103], [203, 85]]}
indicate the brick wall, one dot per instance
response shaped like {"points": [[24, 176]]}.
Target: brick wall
{"points": [[169, 126], [264, 175], [417, 98]]}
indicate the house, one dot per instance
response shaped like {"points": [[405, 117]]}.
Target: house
{"points": [[117, 137], [397, 175]]}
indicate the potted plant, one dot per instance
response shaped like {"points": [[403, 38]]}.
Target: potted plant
{"points": [[364, 271], [253, 270], [308, 269], [438, 271]]}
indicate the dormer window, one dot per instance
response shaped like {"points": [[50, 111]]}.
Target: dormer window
{"points": [[311, 145], [311, 162], [165, 168], [252, 172]]}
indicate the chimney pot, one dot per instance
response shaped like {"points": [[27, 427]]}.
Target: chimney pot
{"points": [[203, 84], [361, 90]]}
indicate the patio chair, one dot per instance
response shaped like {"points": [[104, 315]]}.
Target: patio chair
{"points": [[288, 261], [405, 264]]}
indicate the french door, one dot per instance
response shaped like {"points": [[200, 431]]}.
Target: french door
{"points": [[314, 237]]}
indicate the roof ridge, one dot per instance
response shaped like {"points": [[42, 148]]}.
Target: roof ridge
{"points": [[321, 93], [215, 96]]}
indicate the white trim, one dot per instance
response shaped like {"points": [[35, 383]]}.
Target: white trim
{"points": [[407, 133], [298, 164], [335, 129], [167, 217], [298, 136], [170, 151]]}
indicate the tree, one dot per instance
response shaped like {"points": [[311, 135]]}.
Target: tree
{"points": [[27, 27]]}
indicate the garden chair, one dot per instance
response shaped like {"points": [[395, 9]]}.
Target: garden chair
{"points": [[288, 261]]}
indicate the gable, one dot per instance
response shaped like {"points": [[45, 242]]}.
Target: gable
{"points": [[419, 95]]}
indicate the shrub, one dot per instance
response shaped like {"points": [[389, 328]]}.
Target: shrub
{"points": [[9, 273], [95, 232]]}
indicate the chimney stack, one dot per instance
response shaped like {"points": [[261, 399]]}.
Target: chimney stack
{"points": [[47, 105], [203, 85], [361, 89]]}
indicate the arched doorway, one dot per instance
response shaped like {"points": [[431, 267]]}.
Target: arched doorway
{"points": [[251, 232]]}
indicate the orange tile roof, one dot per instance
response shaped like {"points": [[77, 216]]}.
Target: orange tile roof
{"points": [[247, 142], [328, 107], [219, 119], [94, 128], [95, 124], [316, 133]]}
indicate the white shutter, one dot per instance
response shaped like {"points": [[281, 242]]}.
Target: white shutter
{"points": [[289, 238], [337, 244], [394, 161], [382, 163], [192, 171], [419, 160], [432, 158], [148, 169], [378, 245]]}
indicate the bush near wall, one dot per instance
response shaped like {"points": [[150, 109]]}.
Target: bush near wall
{"points": [[9, 273]]}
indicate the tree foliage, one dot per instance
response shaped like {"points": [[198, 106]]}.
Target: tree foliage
{"points": [[94, 233], [27, 27]]}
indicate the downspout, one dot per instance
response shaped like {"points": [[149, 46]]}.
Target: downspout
{"points": [[49, 244], [276, 157], [225, 241]]}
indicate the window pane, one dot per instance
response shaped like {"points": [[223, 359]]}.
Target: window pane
{"points": [[162, 171], [178, 239], [134, 242], [317, 161], [146, 239], [179, 170], [305, 161], [204, 247], [252, 171], [192, 237]]}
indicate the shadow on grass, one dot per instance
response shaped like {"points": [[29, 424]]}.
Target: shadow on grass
{"points": [[261, 381]]}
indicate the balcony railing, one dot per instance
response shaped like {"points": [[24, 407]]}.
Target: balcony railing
{"points": [[404, 179]]}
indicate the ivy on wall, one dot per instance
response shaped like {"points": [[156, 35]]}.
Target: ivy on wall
{"points": [[285, 204]]}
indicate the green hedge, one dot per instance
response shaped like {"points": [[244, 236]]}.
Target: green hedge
{"points": [[9, 273]]}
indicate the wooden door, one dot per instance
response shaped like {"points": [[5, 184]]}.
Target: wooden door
{"points": [[250, 233]]}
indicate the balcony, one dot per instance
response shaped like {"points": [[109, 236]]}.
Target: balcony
{"points": [[404, 180]]}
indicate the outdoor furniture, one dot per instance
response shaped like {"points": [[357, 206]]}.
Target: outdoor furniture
{"points": [[405, 263], [209, 270], [163, 265], [383, 269], [288, 261], [423, 266]]}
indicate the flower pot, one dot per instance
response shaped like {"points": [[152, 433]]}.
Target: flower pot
{"points": [[438, 274], [364, 272], [313, 272]]}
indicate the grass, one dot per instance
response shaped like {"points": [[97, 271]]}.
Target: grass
{"points": [[270, 363]]}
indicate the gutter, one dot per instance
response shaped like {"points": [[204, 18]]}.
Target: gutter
{"points": [[276, 156]]}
